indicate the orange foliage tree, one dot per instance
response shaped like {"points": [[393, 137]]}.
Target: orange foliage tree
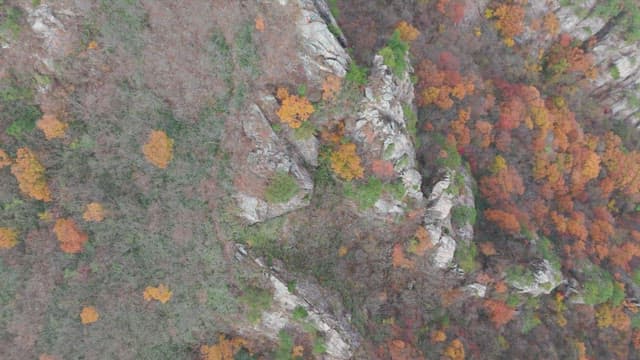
{"points": [[160, 293], [225, 349], [30, 175], [437, 84], [51, 127], [89, 315], [345, 162], [499, 312], [71, 238], [509, 21], [159, 149], [294, 110], [505, 220]]}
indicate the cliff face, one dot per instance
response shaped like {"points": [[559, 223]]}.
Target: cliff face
{"points": [[615, 52]]}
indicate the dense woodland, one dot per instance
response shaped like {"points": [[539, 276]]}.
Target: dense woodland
{"points": [[118, 226]]}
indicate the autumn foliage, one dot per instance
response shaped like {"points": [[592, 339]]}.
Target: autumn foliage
{"points": [[51, 127], [159, 149], [407, 32], [294, 110], [509, 21], [70, 237], [160, 293], [499, 312], [345, 162], [8, 238], [30, 175], [93, 212], [225, 349], [5, 160], [331, 87], [455, 350], [442, 83], [89, 315]]}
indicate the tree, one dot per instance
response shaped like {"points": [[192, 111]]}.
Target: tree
{"points": [[51, 127], [8, 238], [499, 312], [159, 149], [93, 212], [407, 32], [70, 237], [30, 175], [294, 110], [160, 293], [506, 221], [345, 162], [5, 160], [455, 350], [225, 349], [89, 315]]}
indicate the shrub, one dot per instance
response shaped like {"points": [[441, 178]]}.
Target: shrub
{"points": [[365, 195], [299, 313], [461, 215], [356, 75], [395, 54], [281, 188], [257, 300], [51, 127], [465, 257], [8, 238], [598, 285], [160, 293]]}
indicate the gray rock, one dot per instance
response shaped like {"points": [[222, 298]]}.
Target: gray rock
{"points": [[545, 278], [267, 156]]}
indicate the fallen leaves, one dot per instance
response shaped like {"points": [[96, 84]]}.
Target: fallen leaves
{"points": [[331, 87], [160, 293], [89, 315], [8, 238], [93, 212], [71, 238], [159, 149]]}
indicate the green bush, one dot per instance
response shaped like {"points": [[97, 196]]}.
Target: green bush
{"points": [[257, 300], [17, 107], [299, 313], [465, 257], [365, 195], [281, 188], [461, 215], [598, 285], [395, 54], [306, 131], [356, 75], [10, 18], [285, 346]]}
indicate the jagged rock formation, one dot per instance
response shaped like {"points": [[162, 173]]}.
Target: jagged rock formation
{"points": [[268, 156], [341, 340], [541, 280], [381, 131], [616, 59]]}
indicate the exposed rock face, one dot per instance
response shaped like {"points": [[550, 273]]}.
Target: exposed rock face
{"points": [[544, 278], [444, 196], [341, 340], [267, 157], [617, 60], [321, 53], [381, 129]]}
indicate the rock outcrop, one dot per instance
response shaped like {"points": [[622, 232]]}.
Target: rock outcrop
{"points": [[340, 339], [267, 157], [542, 278]]}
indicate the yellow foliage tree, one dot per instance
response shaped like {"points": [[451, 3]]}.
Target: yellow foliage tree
{"points": [[294, 110], [455, 350], [30, 175], [159, 149], [160, 293], [8, 238], [345, 162], [407, 31], [51, 127], [93, 212], [5, 160], [89, 315], [225, 349], [71, 238]]}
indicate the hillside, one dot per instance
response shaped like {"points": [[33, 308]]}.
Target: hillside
{"points": [[311, 179]]}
